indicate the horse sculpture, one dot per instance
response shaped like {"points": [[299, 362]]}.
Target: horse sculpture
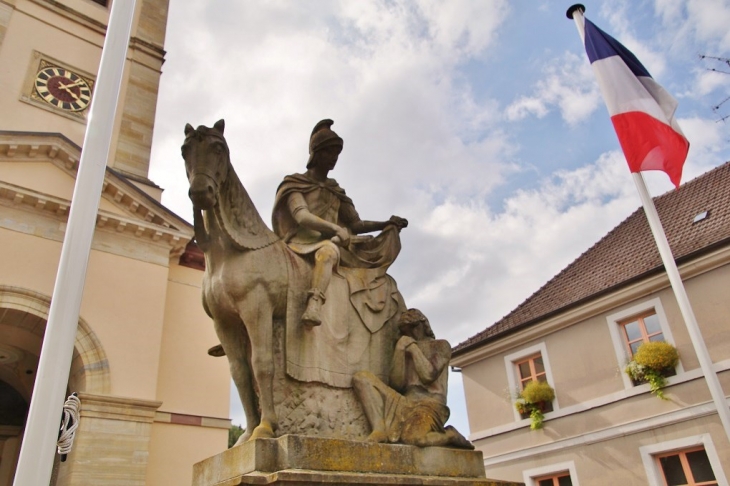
{"points": [[254, 281], [246, 276]]}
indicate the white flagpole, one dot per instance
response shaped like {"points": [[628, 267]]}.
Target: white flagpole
{"points": [[718, 396], [46, 407]]}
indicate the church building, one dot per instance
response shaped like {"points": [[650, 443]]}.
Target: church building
{"points": [[153, 402]]}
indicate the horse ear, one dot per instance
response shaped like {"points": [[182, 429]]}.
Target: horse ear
{"points": [[188, 128], [220, 125]]}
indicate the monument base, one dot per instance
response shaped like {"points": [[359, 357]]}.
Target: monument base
{"points": [[302, 460]]}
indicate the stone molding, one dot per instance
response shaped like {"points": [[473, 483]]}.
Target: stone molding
{"points": [[111, 407], [147, 219], [195, 420], [112, 441], [90, 366], [337, 456]]}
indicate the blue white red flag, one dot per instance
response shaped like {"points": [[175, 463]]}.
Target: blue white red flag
{"points": [[641, 110]]}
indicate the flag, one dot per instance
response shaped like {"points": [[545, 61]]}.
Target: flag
{"points": [[642, 112]]}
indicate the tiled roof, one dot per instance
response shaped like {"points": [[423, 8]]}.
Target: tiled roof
{"points": [[628, 252]]}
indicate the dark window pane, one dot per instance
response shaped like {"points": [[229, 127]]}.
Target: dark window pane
{"points": [[524, 369], [101, 2], [652, 324], [545, 482], [657, 337], [539, 366], [565, 481], [700, 466], [672, 469], [632, 330]]}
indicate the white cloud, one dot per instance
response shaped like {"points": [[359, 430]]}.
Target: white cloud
{"points": [[386, 72], [708, 81], [568, 85], [710, 20], [482, 263]]}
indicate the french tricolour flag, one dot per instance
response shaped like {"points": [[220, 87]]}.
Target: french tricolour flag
{"points": [[641, 110]]}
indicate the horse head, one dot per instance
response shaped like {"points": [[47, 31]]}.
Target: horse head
{"points": [[207, 163]]}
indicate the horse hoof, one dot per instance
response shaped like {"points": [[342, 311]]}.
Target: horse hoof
{"points": [[263, 432], [244, 438]]}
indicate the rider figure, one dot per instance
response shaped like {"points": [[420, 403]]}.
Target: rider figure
{"points": [[315, 217]]}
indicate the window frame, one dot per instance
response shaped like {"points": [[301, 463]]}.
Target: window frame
{"points": [[514, 379], [531, 476], [615, 321], [651, 453]]}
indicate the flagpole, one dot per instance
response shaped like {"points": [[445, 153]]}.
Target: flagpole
{"points": [[713, 383], [35, 463], [575, 12]]}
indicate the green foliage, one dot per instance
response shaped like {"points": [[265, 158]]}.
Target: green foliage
{"points": [[233, 434], [657, 356], [538, 392], [651, 363], [532, 400]]}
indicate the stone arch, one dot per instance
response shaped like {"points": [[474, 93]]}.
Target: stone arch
{"points": [[28, 310]]}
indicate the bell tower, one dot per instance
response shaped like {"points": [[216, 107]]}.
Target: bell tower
{"points": [[50, 50]]}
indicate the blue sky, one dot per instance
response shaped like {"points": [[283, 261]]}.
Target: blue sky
{"points": [[479, 121]]}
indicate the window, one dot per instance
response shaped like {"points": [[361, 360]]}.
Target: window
{"points": [[525, 366], [691, 467], [560, 479], [632, 327], [532, 369], [692, 461], [563, 474], [641, 329], [103, 3]]}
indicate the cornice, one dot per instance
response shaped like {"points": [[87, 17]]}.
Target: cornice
{"points": [[46, 204], [604, 303], [72, 14], [145, 217]]}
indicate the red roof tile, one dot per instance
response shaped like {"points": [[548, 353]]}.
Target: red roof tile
{"points": [[628, 252]]}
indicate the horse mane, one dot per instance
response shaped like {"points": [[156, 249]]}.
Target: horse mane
{"points": [[238, 216], [235, 211]]}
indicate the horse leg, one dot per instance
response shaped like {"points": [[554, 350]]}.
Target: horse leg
{"points": [[232, 335], [257, 314]]}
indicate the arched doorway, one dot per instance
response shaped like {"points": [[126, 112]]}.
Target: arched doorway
{"points": [[23, 315]]}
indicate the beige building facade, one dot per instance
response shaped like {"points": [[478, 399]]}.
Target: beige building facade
{"points": [[153, 401], [580, 330]]}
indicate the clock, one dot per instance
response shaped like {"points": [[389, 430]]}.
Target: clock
{"points": [[63, 89]]}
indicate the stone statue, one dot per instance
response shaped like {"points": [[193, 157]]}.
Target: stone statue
{"points": [[312, 370], [412, 410], [315, 217], [253, 279]]}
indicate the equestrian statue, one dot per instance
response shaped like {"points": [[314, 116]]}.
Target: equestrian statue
{"points": [[318, 276]]}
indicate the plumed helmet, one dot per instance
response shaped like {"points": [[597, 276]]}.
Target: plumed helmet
{"points": [[322, 136]]}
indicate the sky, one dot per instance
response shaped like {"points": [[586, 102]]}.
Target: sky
{"points": [[480, 121]]}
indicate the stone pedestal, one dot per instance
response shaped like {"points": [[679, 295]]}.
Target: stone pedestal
{"points": [[301, 460]]}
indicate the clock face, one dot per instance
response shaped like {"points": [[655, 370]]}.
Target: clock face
{"points": [[63, 89]]}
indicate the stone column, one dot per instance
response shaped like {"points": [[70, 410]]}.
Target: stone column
{"points": [[112, 442]]}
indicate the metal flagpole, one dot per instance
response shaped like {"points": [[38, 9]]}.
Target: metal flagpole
{"points": [[46, 407], [718, 396]]}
